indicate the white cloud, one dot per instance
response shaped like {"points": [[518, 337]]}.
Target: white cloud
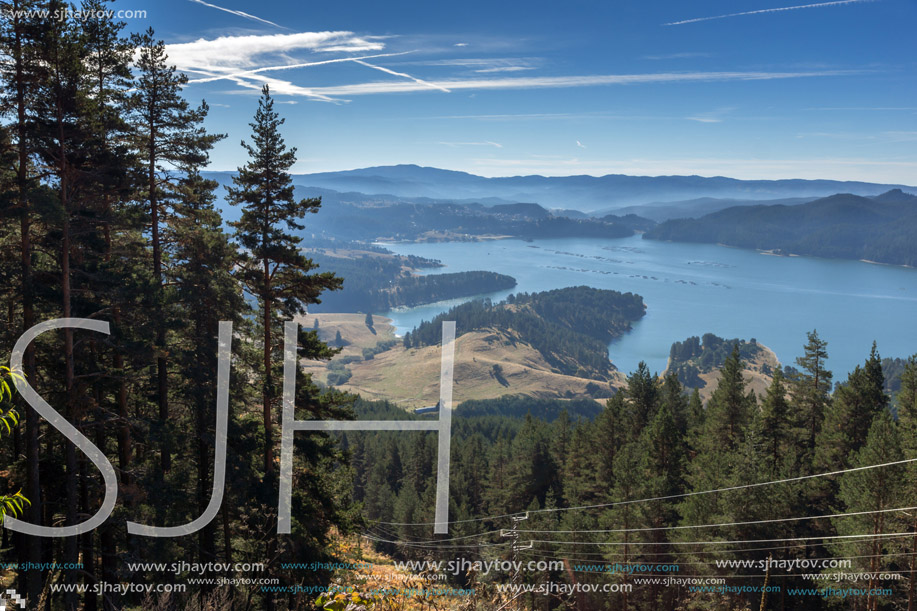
{"points": [[235, 75], [504, 69], [486, 65], [899, 136], [239, 13], [280, 87], [767, 10], [486, 143], [885, 137], [866, 108], [237, 53], [712, 116], [241, 59], [545, 116], [683, 55], [568, 81]]}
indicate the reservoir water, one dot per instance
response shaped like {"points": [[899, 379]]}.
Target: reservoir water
{"points": [[692, 289]]}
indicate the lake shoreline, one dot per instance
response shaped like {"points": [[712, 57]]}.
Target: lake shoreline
{"points": [[733, 293]]}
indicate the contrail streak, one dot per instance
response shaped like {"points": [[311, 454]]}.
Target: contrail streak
{"points": [[402, 74], [235, 75], [240, 14], [768, 10]]}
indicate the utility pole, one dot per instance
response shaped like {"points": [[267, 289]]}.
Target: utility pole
{"points": [[767, 578], [515, 547]]}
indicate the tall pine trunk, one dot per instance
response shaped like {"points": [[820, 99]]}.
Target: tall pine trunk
{"points": [[33, 485], [70, 544], [268, 378], [162, 382], [912, 578], [206, 536]]}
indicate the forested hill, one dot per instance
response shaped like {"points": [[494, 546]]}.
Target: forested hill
{"points": [[379, 280], [357, 216], [570, 327], [846, 226], [697, 355]]}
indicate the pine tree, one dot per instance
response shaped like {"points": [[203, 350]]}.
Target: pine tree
{"points": [[74, 242], [612, 430], [532, 472], [852, 409], [643, 393], [406, 506], [20, 73], [662, 471], [875, 490], [109, 191], [168, 133], [663, 459], [108, 79], [673, 396], [580, 469], [729, 408], [907, 420], [753, 462], [562, 429], [60, 133], [471, 470], [696, 417], [207, 293], [775, 423], [395, 469], [810, 390], [496, 490], [419, 462], [623, 515], [721, 445], [272, 268]]}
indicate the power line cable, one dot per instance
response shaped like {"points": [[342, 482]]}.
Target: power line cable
{"points": [[662, 498]]}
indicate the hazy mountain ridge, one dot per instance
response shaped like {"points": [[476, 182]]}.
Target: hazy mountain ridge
{"points": [[845, 225], [599, 195], [582, 192], [695, 208], [877, 226]]}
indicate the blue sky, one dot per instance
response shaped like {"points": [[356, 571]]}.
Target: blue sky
{"points": [[825, 90]]}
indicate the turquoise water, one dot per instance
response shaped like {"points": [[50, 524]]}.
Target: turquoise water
{"points": [[692, 289]]}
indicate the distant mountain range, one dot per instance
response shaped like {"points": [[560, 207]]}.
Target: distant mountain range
{"points": [[847, 226], [850, 220], [366, 218], [694, 208], [586, 193], [592, 194]]}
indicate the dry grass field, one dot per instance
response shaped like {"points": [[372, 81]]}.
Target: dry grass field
{"points": [[488, 364]]}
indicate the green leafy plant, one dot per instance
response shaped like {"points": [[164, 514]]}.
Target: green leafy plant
{"points": [[353, 601], [11, 504], [8, 414]]}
